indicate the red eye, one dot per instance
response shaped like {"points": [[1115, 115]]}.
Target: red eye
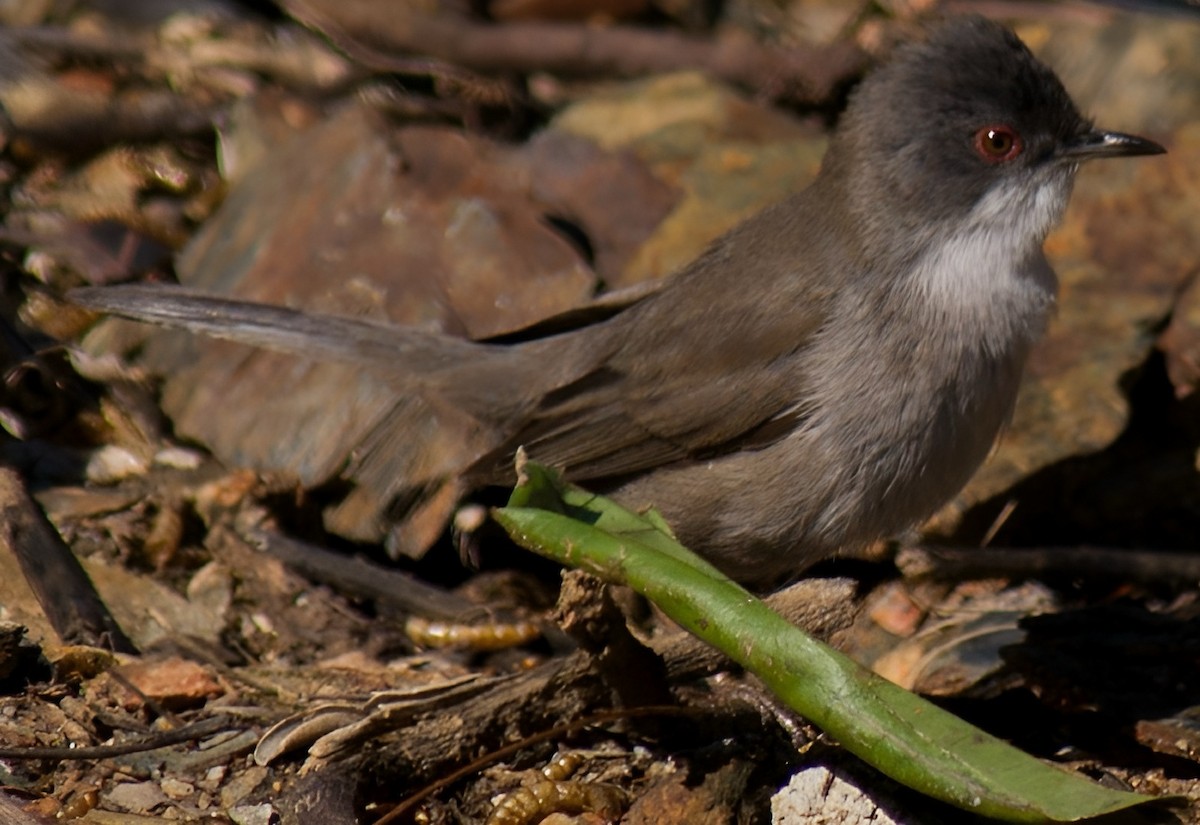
{"points": [[996, 144]]}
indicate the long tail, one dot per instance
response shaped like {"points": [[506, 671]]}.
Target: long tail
{"points": [[324, 337]]}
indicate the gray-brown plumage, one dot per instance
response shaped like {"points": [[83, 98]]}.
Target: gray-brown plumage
{"points": [[827, 373]]}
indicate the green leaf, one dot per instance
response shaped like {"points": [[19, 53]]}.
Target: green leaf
{"points": [[904, 736]]}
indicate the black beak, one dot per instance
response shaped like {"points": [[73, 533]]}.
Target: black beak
{"points": [[1096, 143]]}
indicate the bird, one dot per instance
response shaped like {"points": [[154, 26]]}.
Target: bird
{"points": [[826, 374]]}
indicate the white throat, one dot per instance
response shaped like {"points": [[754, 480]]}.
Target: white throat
{"points": [[990, 275]]}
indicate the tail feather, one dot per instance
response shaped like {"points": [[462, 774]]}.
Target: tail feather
{"points": [[324, 337]]}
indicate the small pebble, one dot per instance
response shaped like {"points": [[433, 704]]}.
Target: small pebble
{"points": [[253, 815], [111, 464]]}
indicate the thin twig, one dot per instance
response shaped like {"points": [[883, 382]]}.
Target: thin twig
{"points": [[161, 740]]}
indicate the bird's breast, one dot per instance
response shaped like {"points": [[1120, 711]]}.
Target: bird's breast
{"points": [[915, 384]]}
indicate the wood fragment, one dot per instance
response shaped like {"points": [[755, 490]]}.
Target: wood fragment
{"points": [[373, 36], [63, 589], [1124, 564], [357, 577]]}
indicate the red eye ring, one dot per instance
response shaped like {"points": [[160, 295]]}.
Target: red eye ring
{"points": [[997, 143]]}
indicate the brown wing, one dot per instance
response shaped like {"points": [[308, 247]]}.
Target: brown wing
{"points": [[606, 434], [698, 369]]}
